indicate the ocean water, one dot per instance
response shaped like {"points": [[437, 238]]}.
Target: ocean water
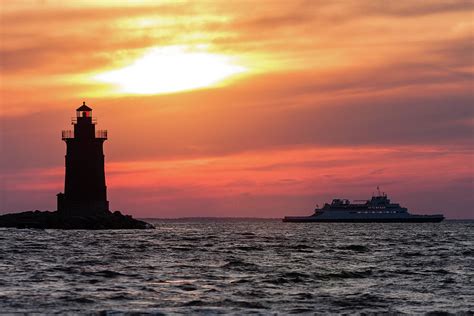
{"points": [[241, 267]]}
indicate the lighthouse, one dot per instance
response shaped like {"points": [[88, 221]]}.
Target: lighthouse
{"points": [[83, 205], [85, 192]]}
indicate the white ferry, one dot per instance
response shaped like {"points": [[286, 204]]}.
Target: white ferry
{"points": [[378, 209]]}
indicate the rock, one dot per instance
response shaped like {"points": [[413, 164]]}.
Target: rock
{"points": [[58, 220]]}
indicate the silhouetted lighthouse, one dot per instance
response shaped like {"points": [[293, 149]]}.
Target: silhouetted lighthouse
{"points": [[85, 191]]}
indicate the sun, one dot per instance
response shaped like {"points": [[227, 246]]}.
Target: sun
{"points": [[171, 69]]}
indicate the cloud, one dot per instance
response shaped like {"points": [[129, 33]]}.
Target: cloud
{"points": [[86, 14], [397, 105], [458, 52], [62, 39], [408, 8], [71, 38]]}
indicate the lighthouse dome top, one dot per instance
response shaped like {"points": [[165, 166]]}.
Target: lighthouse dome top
{"points": [[83, 108]]}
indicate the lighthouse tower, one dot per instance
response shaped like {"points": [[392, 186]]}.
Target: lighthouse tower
{"points": [[85, 192]]}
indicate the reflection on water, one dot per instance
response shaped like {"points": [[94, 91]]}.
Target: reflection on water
{"points": [[240, 266]]}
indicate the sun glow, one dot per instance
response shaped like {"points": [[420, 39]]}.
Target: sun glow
{"points": [[171, 69]]}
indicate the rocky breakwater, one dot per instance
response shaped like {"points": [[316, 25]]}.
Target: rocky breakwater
{"points": [[60, 220]]}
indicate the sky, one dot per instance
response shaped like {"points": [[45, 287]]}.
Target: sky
{"points": [[242, 108]]}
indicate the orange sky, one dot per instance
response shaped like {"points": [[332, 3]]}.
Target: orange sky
{"points": [[232, 108]]}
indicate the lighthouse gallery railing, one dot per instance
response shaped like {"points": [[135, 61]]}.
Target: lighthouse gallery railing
{"points": [[68, 134]]}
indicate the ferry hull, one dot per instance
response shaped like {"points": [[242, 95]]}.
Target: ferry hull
{"points": [[314, 219]]}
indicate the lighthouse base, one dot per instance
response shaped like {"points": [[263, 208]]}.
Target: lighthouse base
{"points": [[68, 207]]}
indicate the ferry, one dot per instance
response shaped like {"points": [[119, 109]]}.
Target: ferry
{"points": [[378, 209]]}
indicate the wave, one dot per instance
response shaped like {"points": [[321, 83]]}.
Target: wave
{"points": [[226, 303], [238, 264], [344, 274], [356, 248], [102, 273]]}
